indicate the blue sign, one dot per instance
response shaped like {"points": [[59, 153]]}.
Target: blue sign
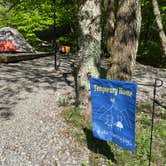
{"points": [[113, 111]]}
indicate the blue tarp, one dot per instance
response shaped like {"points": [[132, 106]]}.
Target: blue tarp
{"points": [[113, 111]]}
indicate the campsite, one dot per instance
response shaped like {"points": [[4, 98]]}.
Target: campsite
{"points": [[82, 83]]}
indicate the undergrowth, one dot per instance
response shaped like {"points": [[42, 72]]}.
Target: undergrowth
{"points": [[109, 154]]}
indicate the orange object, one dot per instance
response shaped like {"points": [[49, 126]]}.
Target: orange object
{"points": [[65, 49], [7, 46]]}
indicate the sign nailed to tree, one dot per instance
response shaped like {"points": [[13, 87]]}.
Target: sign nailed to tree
{"points": [[113, 111]]}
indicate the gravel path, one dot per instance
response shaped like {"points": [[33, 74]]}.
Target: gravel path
{"points": [[32, 131]]}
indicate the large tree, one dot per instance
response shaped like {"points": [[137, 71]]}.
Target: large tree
{"points": [[89, 42], [123, 22], [89, 38]]}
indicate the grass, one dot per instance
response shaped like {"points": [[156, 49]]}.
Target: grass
{"points": [[62, 102], [109, 154]]}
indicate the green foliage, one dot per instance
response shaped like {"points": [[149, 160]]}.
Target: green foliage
{"points": [[150, 50], [62, 102], [28, 16], [74, 116]]}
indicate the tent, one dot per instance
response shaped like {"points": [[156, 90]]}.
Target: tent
{"points": [[13, 41]]}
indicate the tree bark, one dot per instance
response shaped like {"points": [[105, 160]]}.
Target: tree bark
{"points": [[157, 15], [89, 44], [122, 43], [110, 20]]}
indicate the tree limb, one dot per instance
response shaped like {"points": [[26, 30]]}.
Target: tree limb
{"points": [[157, 15]]}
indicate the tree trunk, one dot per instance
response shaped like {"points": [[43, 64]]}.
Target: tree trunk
{"points": [[89, 43], [157, 15], [122, 43]]}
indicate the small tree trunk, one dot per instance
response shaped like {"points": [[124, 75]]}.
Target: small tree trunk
{"points": [[157, 15], [123, 43]]}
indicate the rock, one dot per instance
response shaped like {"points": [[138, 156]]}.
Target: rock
{"points": [[13, 41], [146, 76]]}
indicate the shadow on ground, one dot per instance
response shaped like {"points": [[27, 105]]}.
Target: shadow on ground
{"points": [[5, 115], [28, 77], [98, 146]]}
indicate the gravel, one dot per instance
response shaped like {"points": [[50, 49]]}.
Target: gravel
{"points": [[32, 130]]}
